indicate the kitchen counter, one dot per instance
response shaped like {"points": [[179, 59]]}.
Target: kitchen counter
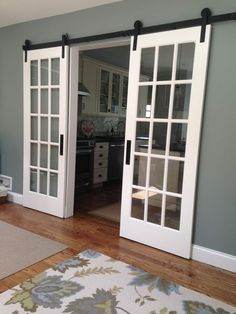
{"points": [[109, 138], [174, 148]]}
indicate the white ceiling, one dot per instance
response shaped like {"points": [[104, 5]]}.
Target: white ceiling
{"points": [[17, 11]]}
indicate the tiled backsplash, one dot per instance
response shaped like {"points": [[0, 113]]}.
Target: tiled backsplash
{"points": [[103, 125]]}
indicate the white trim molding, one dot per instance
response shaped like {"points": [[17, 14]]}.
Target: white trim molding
{"points": [[214, 258], [15, 198]]}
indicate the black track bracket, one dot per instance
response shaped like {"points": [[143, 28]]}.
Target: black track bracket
{"points": [[206, 14], [137, 30], [64, 42], [26, 48]]}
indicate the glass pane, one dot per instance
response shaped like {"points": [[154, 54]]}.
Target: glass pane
{"points": [[173, 210], [43, 182], [138, 201], [44, 72], [34, 101], [34, 154], [181, 101], [104, 90], [34, 128], [140, 170], [44, 156], [154, 207], [142, 136], [162, 101], [124, 95], [33, 180], [175, 176], [185, 59], [55, 71], [147, 64], [53, 184], [178, 139], [34, 73], [159, 138], [44, 101], [144, 102], [165, 63], [115, 93], [55, 101], [44, 129], [54, 157], [156, 173], [55, 130]]}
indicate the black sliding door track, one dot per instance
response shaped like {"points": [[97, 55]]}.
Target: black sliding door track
{"points": [[137, 30]]}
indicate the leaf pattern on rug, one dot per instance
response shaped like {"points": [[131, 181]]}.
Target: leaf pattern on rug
{"points": [[195, 307], [142, 278], [90, 254], [96, 271], [97, 285], [101, 302], [42, 290], [74, 262]]}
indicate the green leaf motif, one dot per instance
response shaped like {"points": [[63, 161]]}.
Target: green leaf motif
{"points": [[101, 302], [164, 310], [96, 271], [45, 291], [115, 290], [74, 262], [195, 307]]}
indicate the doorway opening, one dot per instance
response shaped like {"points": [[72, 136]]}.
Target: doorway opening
{"points": [[102, 103]]}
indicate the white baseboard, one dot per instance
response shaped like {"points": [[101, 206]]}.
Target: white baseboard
{"points": [[15, 197], [214, 258], [199, 253]]}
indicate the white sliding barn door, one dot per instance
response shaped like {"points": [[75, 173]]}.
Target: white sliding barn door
{"points": [[45, 130], [165, 103]]}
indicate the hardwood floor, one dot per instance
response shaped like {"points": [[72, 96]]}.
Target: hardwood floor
{"points": [[88, 232]]}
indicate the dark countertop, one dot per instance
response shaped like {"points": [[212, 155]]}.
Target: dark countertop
{"points": [[173, 148], [109, 138]]}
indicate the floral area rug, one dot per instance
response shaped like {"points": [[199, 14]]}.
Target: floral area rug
{"points": [[93, 283]]}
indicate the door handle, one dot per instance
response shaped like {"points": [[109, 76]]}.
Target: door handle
{"points": [[128, 149], [61, 144]]}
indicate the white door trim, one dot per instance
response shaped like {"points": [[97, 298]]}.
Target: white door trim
{"points": [[72, 114]]}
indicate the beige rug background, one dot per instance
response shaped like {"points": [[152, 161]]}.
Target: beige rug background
{"points": [[20, 248]]}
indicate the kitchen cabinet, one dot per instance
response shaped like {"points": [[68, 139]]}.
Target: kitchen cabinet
{"points": [[115, 160], [100, 162], [112, 92], [108, 86]]}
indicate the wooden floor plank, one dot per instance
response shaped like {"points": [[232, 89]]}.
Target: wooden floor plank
{"points": [[85, 231]]}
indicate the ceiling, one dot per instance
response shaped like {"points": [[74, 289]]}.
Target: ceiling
{"points": [[15, 11]]}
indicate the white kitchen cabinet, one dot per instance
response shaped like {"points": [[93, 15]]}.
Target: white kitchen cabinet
{"points": [[100, 162], [112, 91], [108, 86]]}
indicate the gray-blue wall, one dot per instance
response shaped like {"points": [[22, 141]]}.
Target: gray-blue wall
{"points": [[215, 210]]}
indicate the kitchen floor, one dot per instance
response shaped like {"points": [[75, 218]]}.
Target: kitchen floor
{"points": [[103, 201]]}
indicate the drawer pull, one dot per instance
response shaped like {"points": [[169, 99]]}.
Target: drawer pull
{"points": [[99, 176], [101, 146], [100, 163], [101, 155]]}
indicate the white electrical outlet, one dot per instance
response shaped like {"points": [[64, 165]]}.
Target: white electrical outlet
{"points": [[6, 181]]}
